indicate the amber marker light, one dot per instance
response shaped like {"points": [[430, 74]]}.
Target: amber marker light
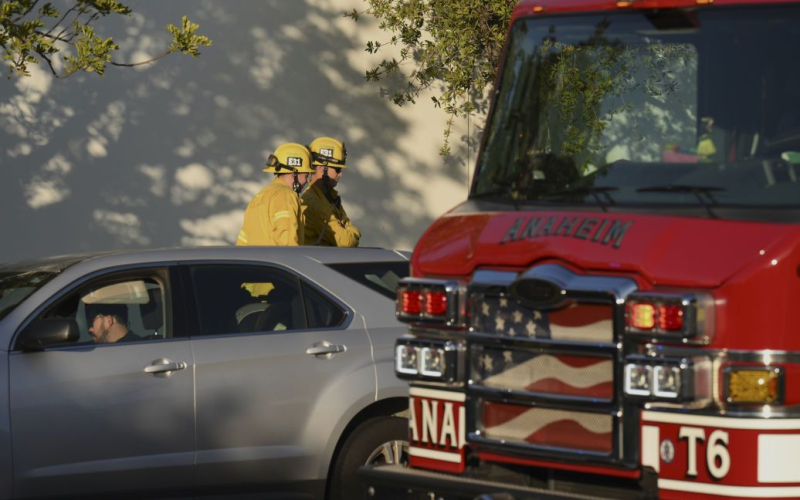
{"points": [[623, 3], [753, 385], [642, 316], [538, 9], [704, 2]]}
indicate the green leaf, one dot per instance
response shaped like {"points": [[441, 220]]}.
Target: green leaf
{"points": [[185, 40], [451, 47]]}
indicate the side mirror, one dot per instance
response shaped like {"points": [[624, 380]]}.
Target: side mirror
{"points": [[47, 332]]}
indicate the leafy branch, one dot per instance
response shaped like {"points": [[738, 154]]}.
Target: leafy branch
{"points": [[29, 35], [450, 47]]}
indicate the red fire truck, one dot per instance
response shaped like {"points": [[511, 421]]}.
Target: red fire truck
{"points": [[615, 310]]}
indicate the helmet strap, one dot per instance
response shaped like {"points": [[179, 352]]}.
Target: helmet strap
{"points": [[295, 183]]}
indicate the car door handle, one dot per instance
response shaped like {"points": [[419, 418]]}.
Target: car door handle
{"points": [[164, 366], [325, 348]]}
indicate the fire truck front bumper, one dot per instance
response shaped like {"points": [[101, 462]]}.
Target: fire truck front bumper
{"points": [[393, 482]]}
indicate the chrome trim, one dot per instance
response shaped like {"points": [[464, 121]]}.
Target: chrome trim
{"points": [[575, 346], [483, 278], [766, 356], [617, 288]]}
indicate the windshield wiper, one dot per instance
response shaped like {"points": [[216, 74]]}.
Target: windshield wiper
{"points": [[502, 193], [708, 201], [595, 191]]}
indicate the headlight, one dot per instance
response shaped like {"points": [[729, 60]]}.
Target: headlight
{"points": [[669, 380], [638, 380], [405, 357], [434, 360]]}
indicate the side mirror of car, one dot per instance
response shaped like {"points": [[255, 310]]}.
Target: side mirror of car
{"points": [[47, 332]]}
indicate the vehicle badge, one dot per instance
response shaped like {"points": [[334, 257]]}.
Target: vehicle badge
{"points": [[537, 293], [667, 451]]}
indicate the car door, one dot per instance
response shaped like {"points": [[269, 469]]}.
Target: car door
{"points": [[272, 354], [117, 417]]}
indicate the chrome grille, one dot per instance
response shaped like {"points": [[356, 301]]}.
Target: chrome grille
{"points": [[546, 381]]}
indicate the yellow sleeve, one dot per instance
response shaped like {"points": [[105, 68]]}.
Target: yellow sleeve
{"points": [[286, 219], [344, 233]]}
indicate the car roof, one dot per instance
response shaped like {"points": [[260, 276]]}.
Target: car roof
{"points": [[324, 255]]}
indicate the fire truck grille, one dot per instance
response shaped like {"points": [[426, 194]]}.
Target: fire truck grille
{"points": [[550, 428], [506, 316], [536, 372]]}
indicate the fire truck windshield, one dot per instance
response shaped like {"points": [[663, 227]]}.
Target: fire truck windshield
{"points": [[670, 108]]}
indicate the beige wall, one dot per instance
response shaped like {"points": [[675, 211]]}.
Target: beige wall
{"points": [[170, 154]]}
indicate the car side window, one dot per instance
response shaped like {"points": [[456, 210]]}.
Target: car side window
{"points": [[114, 310], [247, 299], [322, 312], [381, 277]]}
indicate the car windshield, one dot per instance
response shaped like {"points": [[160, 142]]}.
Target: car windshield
{"points": [[695, 107], [17, 286]]}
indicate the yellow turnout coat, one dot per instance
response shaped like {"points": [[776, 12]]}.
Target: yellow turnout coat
{"points": [[326, 223], [273, 217]]}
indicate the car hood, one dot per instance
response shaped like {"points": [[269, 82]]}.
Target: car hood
{"points": [[662, 250]]}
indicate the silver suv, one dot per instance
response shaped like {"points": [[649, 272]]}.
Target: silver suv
{"points": [[199, 371]]}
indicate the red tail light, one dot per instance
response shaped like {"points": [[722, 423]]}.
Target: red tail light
{"points": [[435, 303], [670, 317], [431, 301], [411, 302]]}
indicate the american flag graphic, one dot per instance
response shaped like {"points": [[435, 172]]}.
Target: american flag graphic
{"points": [[529, 371], [578, 322], [548, 427], [553, 371]]}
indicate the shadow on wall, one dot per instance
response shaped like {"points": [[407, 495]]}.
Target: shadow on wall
{"points": [[171, 154]]}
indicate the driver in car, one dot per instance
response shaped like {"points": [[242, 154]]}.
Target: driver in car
{"points": [[108, 324]]}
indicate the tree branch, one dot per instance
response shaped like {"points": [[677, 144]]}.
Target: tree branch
{"points": [[21, 16], [141, 63], [61, 20]]}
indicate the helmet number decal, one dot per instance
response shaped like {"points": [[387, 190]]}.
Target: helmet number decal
{"points": [[326, 152], [294, 161]]}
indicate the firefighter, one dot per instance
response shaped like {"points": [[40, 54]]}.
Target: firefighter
{"points": [[274, 216], [327, 223]]}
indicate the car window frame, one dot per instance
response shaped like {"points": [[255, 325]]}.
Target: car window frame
{"points": [[161, 272], [184, 269]]}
